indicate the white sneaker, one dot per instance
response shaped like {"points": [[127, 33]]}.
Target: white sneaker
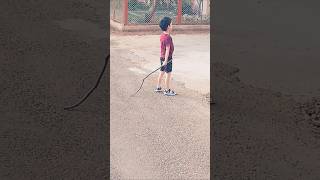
{"points": [[158, 89], [169, 92]]}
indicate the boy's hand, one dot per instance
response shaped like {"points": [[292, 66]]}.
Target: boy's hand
{"points": [[165, 63]]}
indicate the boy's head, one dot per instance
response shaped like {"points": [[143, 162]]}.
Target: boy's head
{"points": [[166, 24]]}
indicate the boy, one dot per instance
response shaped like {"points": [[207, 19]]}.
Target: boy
{"points": [[166, 51]]}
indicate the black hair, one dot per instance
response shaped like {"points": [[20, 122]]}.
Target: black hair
{"points": [[164, 23]]}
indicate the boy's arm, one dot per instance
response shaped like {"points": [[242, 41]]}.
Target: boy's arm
{"points": [[166, 56]]}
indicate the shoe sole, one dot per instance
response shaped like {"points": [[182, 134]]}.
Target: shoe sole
{"points": [[170, 94]]}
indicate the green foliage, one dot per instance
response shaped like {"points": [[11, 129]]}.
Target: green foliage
{"points": [[186, 7], [134, 5]]}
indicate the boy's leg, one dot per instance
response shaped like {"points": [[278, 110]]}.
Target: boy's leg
{"points": [[168, 91], [167, 81], [160, 74], [160, 78]]}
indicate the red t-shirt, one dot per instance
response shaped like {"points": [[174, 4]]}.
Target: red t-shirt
{"points": [[166, 40]]}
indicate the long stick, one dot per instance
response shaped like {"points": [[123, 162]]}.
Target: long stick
{"points": [[95, 86], [147, 77]]}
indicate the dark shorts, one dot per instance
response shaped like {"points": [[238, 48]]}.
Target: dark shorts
{"points": [[168, 67]]}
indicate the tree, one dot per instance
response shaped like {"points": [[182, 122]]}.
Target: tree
{"points": [[150, 14]]}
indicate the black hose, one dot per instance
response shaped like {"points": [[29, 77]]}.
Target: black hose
{"points": [[147, 77], [96, 85]]}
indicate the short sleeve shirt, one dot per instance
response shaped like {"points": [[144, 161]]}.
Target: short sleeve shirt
{"points": [[166, 40]]}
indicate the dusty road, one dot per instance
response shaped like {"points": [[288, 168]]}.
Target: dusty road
{"points": [[275, 44], [266, 76], [191, 56], [154, 136], [50, 54], [260, 133]]}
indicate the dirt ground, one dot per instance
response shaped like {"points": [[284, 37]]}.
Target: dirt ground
{"points": [[51, 54], [154, 136], [265, 81], [191, 56]]}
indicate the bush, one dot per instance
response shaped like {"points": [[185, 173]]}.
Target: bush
{"points": [[186, 7]]}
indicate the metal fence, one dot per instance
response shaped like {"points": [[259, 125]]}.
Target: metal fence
{"points": [[152, 11], [195, 12]]}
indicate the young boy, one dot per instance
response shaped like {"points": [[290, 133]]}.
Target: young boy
{"points": [[166, 51]]}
